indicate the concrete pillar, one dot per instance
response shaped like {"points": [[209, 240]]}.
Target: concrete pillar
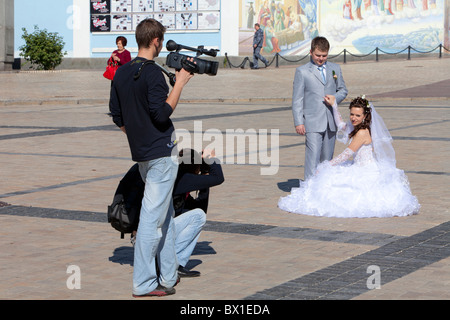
{"points": [[447, 25], [6, 34]]}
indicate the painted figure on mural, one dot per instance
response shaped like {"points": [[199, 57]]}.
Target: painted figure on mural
{"points": [[347, 8], [309, 8], [425, 3], [375, 10], [251, 13], [279, 17], [387, 7], [358, 4], [270, 41], [273, 8], [289, 15], [264, 14]]}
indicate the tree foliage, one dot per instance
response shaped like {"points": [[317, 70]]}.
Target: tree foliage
{"points": [[42, 48]]}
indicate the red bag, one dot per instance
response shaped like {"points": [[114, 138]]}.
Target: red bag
{"points": [[111, 69]]}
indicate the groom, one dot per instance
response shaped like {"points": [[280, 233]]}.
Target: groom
{"points": [[312, 116]]}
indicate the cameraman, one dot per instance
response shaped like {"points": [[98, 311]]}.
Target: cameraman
{"points": [[141, 107], [196, 173]]}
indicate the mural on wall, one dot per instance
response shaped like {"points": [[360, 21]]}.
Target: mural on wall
{"points": [[288, 25], [391, 25], [356, 25]]}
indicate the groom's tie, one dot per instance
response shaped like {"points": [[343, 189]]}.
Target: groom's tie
{"points": [[322, 73]]}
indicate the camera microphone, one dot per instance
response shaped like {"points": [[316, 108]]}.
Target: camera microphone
{"points": [[171, 45]]}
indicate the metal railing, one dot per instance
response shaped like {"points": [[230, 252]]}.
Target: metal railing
{"points": [[344, 52]]}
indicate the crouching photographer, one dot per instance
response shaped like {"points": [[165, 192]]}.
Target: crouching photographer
{"points": [[196, 173]]}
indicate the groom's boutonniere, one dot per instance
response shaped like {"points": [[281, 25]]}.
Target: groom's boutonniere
{"points": [[334, 75]]}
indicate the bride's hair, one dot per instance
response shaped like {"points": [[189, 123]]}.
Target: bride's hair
{"points": [[363, 103]]}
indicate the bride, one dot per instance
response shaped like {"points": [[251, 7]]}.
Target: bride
{"points": [[370, 185]]}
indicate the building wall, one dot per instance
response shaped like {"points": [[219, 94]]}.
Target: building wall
{"points": [[356, 25], [72, 20]]}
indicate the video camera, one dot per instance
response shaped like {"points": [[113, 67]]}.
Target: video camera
{"points": [[178, 61]]}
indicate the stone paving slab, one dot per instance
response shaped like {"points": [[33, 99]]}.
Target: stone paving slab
{"points": [[382, 79], [60, 164]]}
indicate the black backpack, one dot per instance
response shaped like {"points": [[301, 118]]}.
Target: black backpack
{"points": [[123, 213]]}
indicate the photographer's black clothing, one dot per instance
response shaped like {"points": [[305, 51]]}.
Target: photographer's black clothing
{"points": [[131, 187], [146, 114], [187, 182]]}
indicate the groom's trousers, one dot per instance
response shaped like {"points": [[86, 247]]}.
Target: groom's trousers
{"points": [[319, 147]]}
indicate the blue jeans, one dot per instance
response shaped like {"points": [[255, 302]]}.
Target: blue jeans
{"points": [[156, 234], [187, 228]]}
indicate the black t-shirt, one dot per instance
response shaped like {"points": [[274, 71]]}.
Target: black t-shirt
{"points": [[140, 105]]}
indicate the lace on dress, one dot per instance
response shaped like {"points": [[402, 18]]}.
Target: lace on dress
{"points": [[344, 156], [364, 156], [341, 136], [343, 128]]}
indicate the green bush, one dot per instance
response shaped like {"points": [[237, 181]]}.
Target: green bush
{"points": [[43, 49]]}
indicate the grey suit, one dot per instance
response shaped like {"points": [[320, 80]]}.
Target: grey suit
{"points": [[309, 109]]}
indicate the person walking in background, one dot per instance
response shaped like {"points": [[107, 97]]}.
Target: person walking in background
{"points": [[313, 117], [258, 39]]}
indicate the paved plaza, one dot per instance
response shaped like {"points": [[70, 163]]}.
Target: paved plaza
{"points": [[61, 159]]}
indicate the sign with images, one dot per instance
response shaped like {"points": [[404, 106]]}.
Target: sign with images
{"points": [[137, 18], [209, 5], [208, 20], [121, 22], [124, 15], [100, 23], [164, 5], [187, 21], [143, 6], [166, 19], [100, 7], [186, 5], [121, 6]]}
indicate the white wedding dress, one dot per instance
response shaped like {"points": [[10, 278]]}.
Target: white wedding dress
{"points": [[360, 188]]}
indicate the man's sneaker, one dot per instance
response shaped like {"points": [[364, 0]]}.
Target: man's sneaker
{"points": [[160, 291]]}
